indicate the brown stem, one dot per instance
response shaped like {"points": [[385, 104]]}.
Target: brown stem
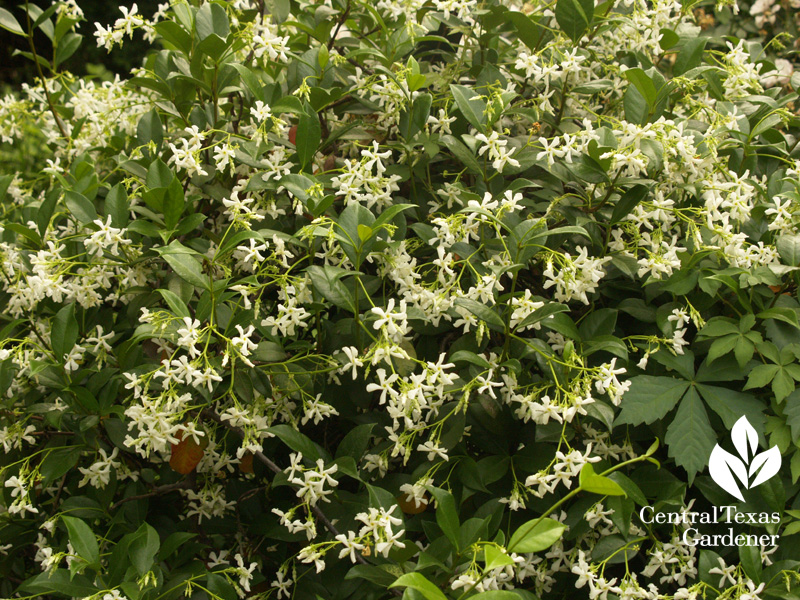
{"points": [[158, 491], [342, 19]]}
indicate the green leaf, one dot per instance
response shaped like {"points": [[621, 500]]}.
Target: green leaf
{"points": [[561, 231], [470, 357], [717, 327], [143, 548], [644, 84], [175, 303], [187, 268], [690, 56], [574, 17], [471, 107], [536, 535], [117, 206], [628, 202], [80, 206], [528, 30], [64, 332], [789, 248], [214, 46], [211, 19], [414, 121], [159, 175], [446, 514], [483, 312], [632, 490], [173, 33], [761, 375], [791, 409], [563, 324], [309, 136], [495, 557], [417, 581], [635, 104], [781, 313], [68, 45], [327, 281], [288, 104], [598, 323], [57, 463], [296, 441], [25, 232], [83, 540], [173, 542], [60, 582], [598, 484], [730, 405], [650, 399], [9, 22], [150, 129], [5, 183], [375, 575], [722, 346], [540, 314], [390, 213], [174, 203], [356, 442], [220, 588], [782, 385], [690, 437], [364, 232], [767, 123], [461, 152]]}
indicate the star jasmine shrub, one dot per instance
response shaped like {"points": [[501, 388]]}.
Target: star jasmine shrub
{"points": [[422, 299]]}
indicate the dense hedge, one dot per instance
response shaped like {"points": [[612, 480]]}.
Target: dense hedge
{"points": [[433, 298]]}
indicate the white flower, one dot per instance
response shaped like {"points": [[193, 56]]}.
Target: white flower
{"points": [[752, 591], [223, 156], [680, 317], [309, 554], [16, 485], [282, 584], [98, 474], [394, 322], [261, 112], [433, 449], [243, 343], [726, 572], [349, 545], [245, 573]]}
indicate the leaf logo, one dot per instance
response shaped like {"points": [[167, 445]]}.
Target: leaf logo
{"points": [[751, 470]]}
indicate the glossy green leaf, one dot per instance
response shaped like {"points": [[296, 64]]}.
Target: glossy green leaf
{"points": [[9, 22], [309, 135], [574, 17], [83, 539], [536, 535], [598, 484], [471, 105], [419, 582], [80, 206], [64, 332]]}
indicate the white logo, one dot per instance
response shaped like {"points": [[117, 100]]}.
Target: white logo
{"points": [[723, 465]]}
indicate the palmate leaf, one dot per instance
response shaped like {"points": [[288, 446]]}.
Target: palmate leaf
{"points": [[650, 398], [730, 405], [690, 437]]}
